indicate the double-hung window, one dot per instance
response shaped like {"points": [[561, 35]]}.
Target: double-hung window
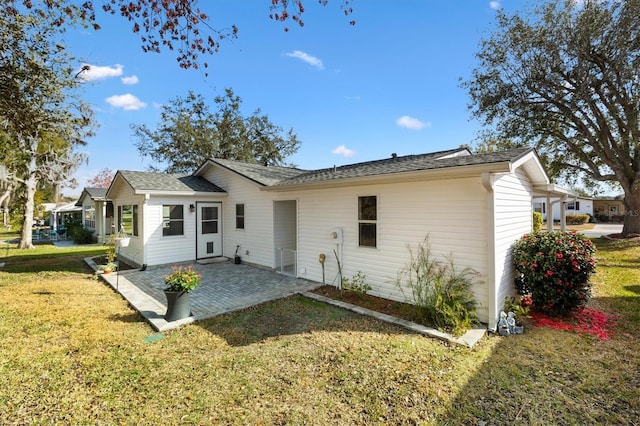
{"points": [[172, 219], [367, 221]]}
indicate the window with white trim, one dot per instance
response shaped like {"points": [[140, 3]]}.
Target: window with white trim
{"points": [[367, 221], [172, 219], [239, 216]]}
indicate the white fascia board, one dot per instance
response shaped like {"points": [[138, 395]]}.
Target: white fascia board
{"points": [[554, 190], [533, 166], [420, 175], [179, 193]]}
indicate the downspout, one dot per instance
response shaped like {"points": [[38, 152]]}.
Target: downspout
{"points": [[487, 182]]}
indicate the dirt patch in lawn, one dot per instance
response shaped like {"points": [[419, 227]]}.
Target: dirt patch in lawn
{"points": [[401, 310]]}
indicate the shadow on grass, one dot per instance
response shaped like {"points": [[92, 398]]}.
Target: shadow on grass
{"points": [[50, 259], [614, 245], [131, 317], [633, 288], [295, 315], [549, 376]]}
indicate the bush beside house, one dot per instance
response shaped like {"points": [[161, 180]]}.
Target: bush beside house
{"points": [[554, 268]]}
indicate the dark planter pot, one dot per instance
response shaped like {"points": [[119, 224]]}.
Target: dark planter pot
{"points": [[178, 306], [237, 260]]}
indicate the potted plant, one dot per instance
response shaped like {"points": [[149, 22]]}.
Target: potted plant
{"points": [[108, 268], [180, 282]]}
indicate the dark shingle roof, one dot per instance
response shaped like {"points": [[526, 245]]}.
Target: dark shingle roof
{"points": [[96, 193], [152, 181], [93, 193], [409, 163], [264, 175]]}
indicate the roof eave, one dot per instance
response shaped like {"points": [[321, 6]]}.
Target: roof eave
{"points": [[413, 176], [211, 161], [553, 190], [178, 193]]}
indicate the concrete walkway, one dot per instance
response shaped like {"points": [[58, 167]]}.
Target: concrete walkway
{"points": [[228, 287], [601, 229]]}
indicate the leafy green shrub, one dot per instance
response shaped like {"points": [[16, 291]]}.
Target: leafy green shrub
{"points": [[81, 235], [577, 219], [537, 221], [554, 267], [357, 283], [441, 293], [520, 306]]}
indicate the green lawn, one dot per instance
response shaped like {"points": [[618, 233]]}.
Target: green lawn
{"points": [[73, 352]]}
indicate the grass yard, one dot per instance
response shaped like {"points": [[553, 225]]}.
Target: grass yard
{"points": [[73, 352]]}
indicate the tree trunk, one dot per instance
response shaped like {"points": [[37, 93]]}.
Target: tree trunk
{"points": [[56, 192], [632, 211], [4, 205], [26, 236]]}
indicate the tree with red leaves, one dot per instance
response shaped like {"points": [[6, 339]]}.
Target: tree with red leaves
{"points": [[176, 25], [102, 179]]}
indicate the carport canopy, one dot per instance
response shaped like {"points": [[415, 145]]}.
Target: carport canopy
{"points": [[555, 194]]}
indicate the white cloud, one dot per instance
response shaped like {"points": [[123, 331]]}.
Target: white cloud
{"points": [[344, 151], [130, 80], [95, 72], [311, 60], [495, 5], [127, 102], [411, 123]]}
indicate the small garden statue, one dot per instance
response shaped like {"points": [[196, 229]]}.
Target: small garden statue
{"points": [[503, 326], [511, 322], [507, 324]]}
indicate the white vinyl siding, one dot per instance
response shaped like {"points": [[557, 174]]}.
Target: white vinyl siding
{"points": [[160, 248], [451, 212], [257, 236], [513, 219]]}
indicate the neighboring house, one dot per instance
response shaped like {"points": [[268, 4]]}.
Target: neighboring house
{"points": [[471, 207], [97, 212], [610, 209], [62, 213], [572, 205]]}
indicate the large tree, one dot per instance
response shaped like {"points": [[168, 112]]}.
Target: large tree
{"points": [[565, 78], [189, 133], [42, 120]]}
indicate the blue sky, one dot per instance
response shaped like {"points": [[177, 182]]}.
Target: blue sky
{"points": [[351, 93]]}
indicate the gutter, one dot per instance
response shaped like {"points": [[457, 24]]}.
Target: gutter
{"points": [[457, 172]]}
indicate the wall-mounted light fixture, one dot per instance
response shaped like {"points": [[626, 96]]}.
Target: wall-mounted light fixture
{"points": [[192, 208]]}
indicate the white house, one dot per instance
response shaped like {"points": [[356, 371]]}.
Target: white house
{"points": [[365, 215], [97, 212], [572, 203]]}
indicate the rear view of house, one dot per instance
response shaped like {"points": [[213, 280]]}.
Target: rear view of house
{"points": [[361, 217]]}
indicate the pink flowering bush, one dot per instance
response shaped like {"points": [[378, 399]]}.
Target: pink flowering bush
{"points": [[554, 268], [182, 279]]}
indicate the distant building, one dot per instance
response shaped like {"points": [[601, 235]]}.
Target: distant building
{"points": [[609, 209]]}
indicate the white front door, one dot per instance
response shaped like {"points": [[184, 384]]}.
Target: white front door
{"points": [[209, 229]]}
